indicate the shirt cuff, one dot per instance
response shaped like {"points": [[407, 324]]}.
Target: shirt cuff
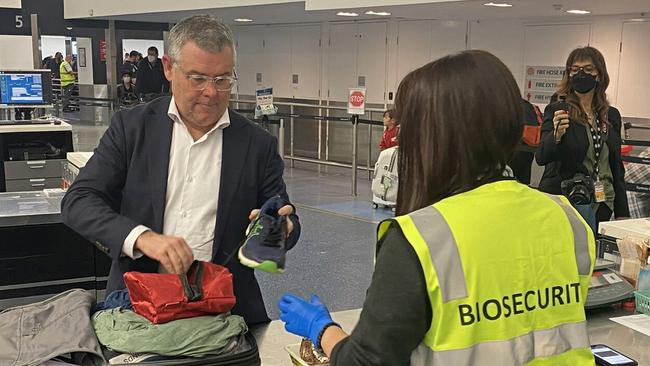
{"points": [[129, 242]]}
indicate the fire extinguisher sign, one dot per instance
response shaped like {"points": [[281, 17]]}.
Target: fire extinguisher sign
{"points": [[357, 101]]}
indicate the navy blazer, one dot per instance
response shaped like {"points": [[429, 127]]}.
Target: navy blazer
{"points": [[124, 184], [562, 161]]}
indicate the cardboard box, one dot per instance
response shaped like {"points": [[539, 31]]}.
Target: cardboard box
{"points": [[634, 255]]}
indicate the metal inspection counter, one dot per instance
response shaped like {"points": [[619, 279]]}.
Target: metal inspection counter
{"points": [[39, 256], [29, 208], [272, 338], [32, 236], [32, 154]]}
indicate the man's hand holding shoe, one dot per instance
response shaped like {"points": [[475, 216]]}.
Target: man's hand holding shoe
{"points": [[265, 244], [284, 211]]}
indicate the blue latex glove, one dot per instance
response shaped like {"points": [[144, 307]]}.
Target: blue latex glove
{"points": [[306, 319]]}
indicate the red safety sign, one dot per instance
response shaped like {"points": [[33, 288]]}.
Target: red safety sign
{"points": [[102, 50], [357, 98], [357, 101]]}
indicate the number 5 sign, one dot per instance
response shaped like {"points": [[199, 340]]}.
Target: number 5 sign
{"points": [[357, 101]]}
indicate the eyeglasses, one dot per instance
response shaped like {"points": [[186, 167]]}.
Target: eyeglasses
{"points": [[200, 82], [589, 69]]}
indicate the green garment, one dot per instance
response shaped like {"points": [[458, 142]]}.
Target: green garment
{"points": [[125, 331], [604, 170]]}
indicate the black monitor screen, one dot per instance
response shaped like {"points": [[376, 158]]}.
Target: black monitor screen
{"points": [[25, 87]]}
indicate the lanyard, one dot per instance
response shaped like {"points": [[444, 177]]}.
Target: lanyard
{"points": [[597, 136]]}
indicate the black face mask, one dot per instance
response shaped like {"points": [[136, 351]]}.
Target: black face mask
{"points": [[583, 82]]}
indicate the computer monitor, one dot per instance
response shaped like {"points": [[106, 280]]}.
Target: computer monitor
{"points": [[26, 87]]}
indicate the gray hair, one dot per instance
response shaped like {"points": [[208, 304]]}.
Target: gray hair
{"points": [[207, 32]]}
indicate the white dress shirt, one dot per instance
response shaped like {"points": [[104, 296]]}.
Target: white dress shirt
{"points": [[192, 188]]}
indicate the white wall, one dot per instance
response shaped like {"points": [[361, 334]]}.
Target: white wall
{"points": [[634, 72], [277, 53], [306, 61], [385, 51], [20, 56], [98, 8], [277, 50], [422, 41], [507, 45], [50, 45], [141, 46], [250, 59], [16, 4], [85, 73]]}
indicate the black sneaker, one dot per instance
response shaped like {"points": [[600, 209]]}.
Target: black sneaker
{"points": [[264, 247]]}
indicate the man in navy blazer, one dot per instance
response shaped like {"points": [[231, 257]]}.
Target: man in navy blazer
{"points": [[178, 178]]}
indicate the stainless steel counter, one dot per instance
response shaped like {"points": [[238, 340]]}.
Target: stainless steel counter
{"points": [[272, 338], [623, 339], [29, 208], [46, 127]]}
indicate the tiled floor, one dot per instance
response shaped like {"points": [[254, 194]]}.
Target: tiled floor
{"points": [[334, 257]]}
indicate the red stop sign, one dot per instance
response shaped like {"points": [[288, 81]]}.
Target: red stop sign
{"points": [[357, 98]]}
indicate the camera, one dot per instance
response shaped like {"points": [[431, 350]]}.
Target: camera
{"points": [[579, 189]]}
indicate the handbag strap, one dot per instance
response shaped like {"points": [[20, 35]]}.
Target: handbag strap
{"points": [[538, 113], [194, 291]]}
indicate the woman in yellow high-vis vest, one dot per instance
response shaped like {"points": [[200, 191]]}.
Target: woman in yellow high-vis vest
{"points": [[476, 269]]}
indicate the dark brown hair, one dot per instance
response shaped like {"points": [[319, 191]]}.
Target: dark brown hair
{"points": [[599, 104], [391, 115], [461, 119]]}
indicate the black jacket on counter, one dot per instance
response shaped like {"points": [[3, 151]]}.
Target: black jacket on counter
{"points": [[562, 161], [124, 184], [151, 78]]}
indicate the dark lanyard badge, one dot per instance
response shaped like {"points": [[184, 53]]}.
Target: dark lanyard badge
{"points": [[598, 135]]}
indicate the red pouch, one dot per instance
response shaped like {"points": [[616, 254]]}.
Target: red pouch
{"points": [[206, 289], [532, 133]]}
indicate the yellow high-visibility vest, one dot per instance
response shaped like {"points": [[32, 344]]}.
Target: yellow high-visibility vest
{"points": [[67, 78], [507, 270]]}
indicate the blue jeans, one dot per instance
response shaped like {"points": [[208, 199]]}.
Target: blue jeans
{"points": [[588, 212]]}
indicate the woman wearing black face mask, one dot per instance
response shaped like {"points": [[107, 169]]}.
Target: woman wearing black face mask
{"points": [[581, 141]]}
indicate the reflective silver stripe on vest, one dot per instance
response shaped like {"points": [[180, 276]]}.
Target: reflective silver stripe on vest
{"points": [[516, 351], [444, 252], [580, 238]]}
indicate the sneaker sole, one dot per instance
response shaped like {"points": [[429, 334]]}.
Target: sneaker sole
{"points": [[266, 266]]}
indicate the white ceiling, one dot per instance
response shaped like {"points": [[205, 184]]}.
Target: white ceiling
{"points": [[295, 12]]}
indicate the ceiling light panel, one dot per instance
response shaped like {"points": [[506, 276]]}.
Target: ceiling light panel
{"points": [[498, 5], [578, 11], [380, 13], [347, 14]]}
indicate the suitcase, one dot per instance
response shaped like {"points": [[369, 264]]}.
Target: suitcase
{"points": [[385, 179], [250, 357]]}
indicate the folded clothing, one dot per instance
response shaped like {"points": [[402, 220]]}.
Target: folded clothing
{"points": [[237, 345], [127, 332], [35, 333], [56, 362], [114, 300], [127, 358]]}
